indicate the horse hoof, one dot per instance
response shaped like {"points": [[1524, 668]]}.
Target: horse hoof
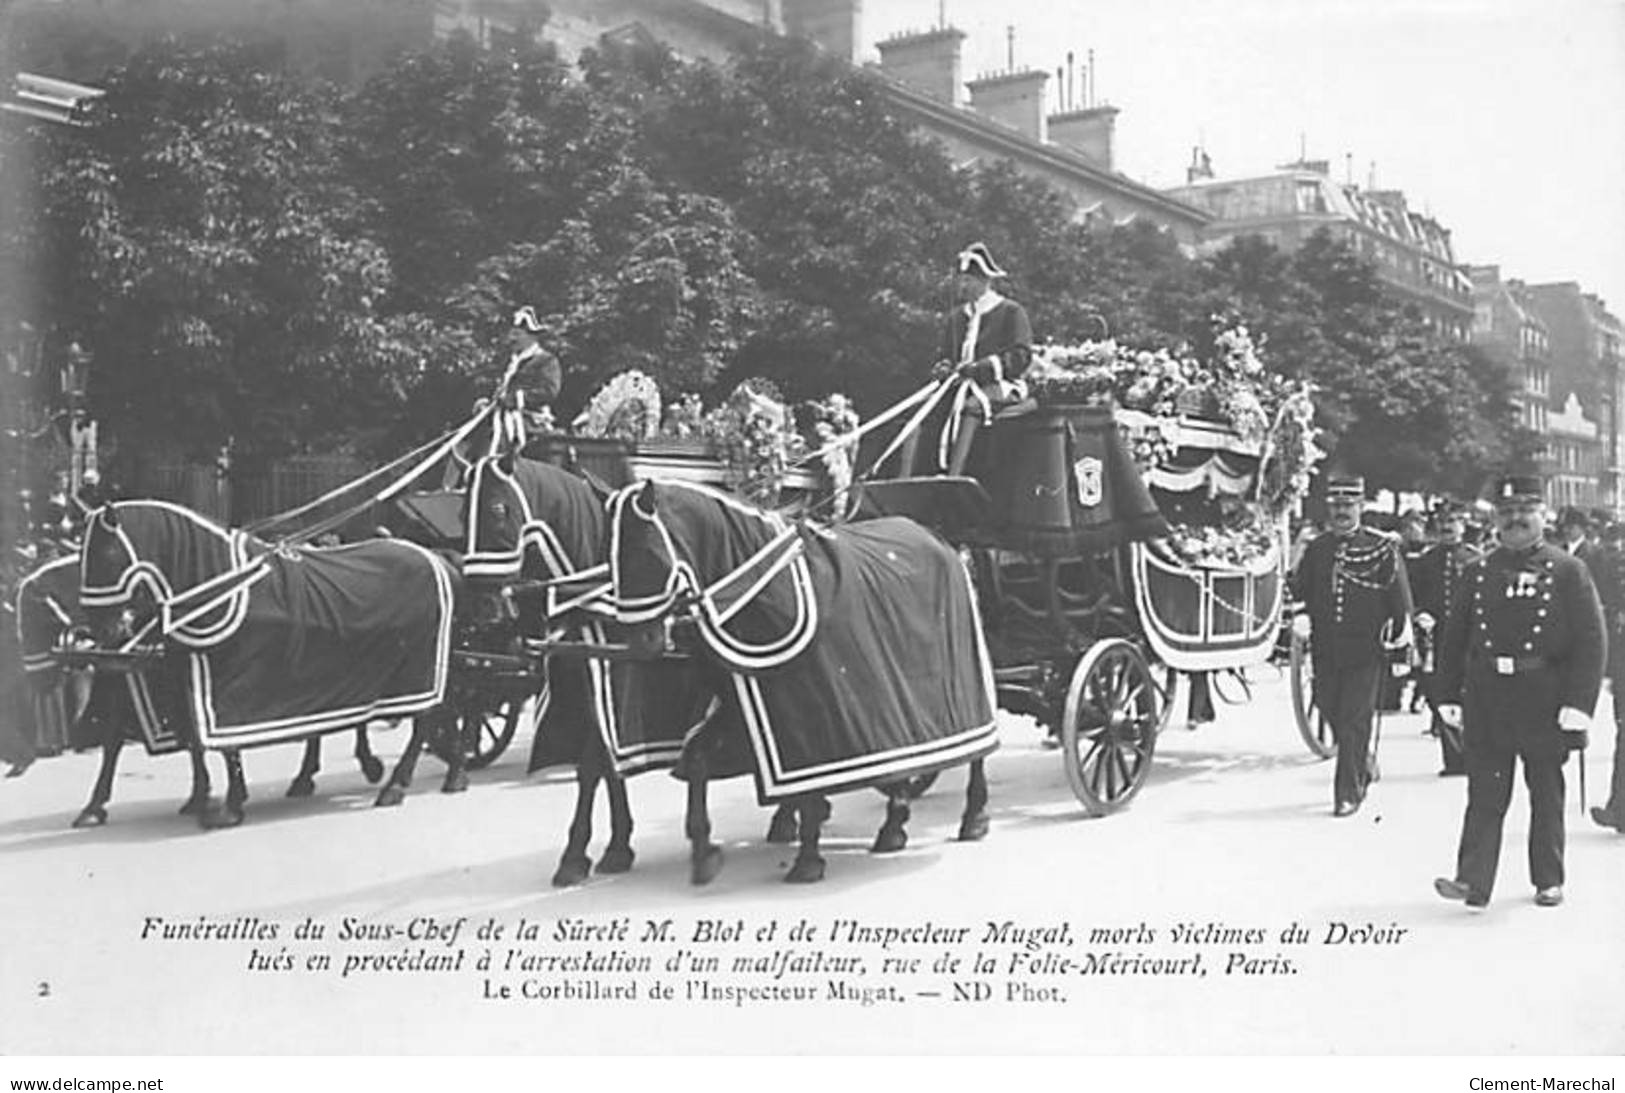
{"points": [[782, 829], [616, 860], [973, 828], [889, 840], [217, 819], [301, 787], [458, 784], [389, 797], [705, 865], [195, 806], [805, 871], [91, 817], [572, 871], [372, 769]]}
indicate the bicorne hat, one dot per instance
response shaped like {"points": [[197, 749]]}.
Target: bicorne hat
{"points": [[1345, 487], [1514, 488], [525, 319], [977, 259]]}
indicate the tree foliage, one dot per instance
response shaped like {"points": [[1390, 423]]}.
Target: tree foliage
{"points": [[253, 258], [199, 241]]}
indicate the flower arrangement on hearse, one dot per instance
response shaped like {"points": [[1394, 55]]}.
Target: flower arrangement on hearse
{"points": [[1227, 445]]}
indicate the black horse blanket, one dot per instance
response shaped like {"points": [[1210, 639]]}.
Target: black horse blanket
{"points": [[856, 655], [330, 639]]}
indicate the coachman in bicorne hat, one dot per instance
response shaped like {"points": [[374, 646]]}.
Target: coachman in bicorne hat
{"points": [[987, 344], [1353, 584], [1520, 665]]}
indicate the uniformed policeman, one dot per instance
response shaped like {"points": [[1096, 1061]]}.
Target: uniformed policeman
{"points": [[1607, 564], [1352, 581], [1435, 577], [1520, 666]]}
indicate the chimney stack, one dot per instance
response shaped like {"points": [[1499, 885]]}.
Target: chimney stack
{"points": [[1201, 166], [834, 25], [1088, 132], [1014, 98], [926, 62]]}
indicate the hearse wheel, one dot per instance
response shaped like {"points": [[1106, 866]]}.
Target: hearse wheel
{"points": [[1109, 725], [1314, 728], [487, 729]]}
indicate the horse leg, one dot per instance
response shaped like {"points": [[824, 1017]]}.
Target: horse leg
{"points": [[94, 814], [464, 732], [704, 856], [304, 783], [893, 834], [236, 794], [618, 854], [574, 864], [782, 828], [973, 824], [198, 803], [372, 769], [400, 779], [809, 864]]}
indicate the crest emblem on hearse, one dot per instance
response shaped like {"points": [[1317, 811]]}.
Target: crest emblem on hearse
{"points": [[1088, 471]]}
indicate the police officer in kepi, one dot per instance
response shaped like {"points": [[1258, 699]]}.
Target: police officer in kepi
{"points": [[1520, 666], [1353, 582], [1435, 577]]}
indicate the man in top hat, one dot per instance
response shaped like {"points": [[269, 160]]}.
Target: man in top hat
{"points": [[1435, 578], [987, 343], [1607, 564], [1520, 665], [1353, 582]]}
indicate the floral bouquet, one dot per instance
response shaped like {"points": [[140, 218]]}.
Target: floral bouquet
{"points": [[625, 408], [756, 436], [831, 419]]}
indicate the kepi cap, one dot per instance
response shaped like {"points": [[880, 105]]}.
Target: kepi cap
{"points": [[525, 319], [1345, 487], [1515, 488]]}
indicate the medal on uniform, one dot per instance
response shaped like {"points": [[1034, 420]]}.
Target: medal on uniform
{"points": [[1504, 666]]}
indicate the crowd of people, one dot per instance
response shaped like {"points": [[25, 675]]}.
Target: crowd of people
{"points": [[1511, 625]]}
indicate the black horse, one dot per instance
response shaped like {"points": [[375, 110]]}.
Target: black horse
{"points": [[851, 657], [261, 644], [533, 522], [116, 709]]}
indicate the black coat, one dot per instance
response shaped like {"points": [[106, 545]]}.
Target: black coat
{"points": [[1538, 611], [1607, 565], [1437, 574], [1005, 332]]}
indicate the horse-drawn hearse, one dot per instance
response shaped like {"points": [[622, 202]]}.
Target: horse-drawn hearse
{"points": [[1111, 537]]}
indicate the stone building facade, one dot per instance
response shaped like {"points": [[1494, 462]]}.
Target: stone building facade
{"points": [[1411, 251], [1586, 340]]}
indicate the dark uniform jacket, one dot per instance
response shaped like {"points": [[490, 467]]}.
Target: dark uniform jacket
{"points": [[1436, 575], [1524, 639], [1005, 332], [1352, 586], [1607, 565]]}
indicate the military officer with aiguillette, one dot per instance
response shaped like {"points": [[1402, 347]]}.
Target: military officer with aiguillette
{"points": [[1352, 581], [1520, 665]]}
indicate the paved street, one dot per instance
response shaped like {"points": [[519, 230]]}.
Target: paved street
{"points": [[1233, 834]]}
